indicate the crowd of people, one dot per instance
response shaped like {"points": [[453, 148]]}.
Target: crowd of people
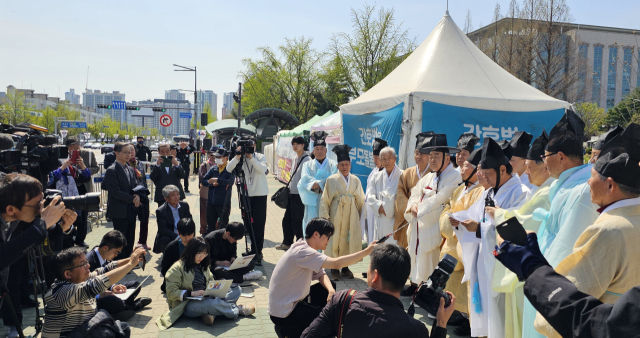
{"points": [[580, 250]]}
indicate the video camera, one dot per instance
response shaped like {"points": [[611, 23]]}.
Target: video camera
{"points": [[245, 143], [429, 293]]}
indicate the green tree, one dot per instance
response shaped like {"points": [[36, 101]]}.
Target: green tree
{"points": [[375, 47], [334, 91], [627, 111], [593, 117], [16, 109], [207, 110]]}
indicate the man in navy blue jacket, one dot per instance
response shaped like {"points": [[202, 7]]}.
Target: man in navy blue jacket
{"points": [[220, 182]]}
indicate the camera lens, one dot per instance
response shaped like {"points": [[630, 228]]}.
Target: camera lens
{"points": [[89, 202]]}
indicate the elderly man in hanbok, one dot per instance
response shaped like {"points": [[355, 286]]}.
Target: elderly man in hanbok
{"points": [[466, 144], [368, 214], [571, 210], [408, 179], [314, 175], [520, 143], [342, 202], [382, 194], [467, 193], [424, 207], [487, 306], [602, 139], [504, 280], [605, 262]]}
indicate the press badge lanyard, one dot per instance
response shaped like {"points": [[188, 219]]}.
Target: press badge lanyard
{"points": [[250, 170]]}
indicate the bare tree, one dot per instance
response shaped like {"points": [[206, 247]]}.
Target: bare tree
{"points": [[508, 40], [468, 25], [494, 43], [530, 16]]}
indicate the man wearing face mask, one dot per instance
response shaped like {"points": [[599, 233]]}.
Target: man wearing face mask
{"points": [[204, 191], [143, 153], [218, 181], [255, 171]]}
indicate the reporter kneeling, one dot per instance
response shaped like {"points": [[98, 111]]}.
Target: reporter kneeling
{"points": [[189, 277], [71, 300], [378, 312]]}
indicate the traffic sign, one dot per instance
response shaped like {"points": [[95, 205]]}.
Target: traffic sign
{"points": [[105, 126], [165, 120], [185, 115], [118, 105], [64, 133], [73, 124]]}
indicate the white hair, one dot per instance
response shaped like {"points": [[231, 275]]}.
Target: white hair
{"points": [[389, 151], [168, 190]]}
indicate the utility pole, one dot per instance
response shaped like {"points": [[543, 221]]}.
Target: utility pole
{"points": [[238, 99]]}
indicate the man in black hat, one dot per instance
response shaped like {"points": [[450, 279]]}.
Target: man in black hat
{"points": [[605, 262], [424, 208], [382, 195], [520, 144], [342, 203], [408, 179], [368, 213], [506, 191], [602, 139], [466, 144]]}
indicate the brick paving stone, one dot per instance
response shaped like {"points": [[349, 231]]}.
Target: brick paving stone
{"points": [[259, 325]]}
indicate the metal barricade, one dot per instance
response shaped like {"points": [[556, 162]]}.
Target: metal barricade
{"points": [[98, 178]]}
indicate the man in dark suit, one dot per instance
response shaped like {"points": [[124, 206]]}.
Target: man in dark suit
{"points": [[119, 180], [109, 159], [168, 215], [184, 152], [110, 246], [164, 176], [173, 251], [143, 153]]}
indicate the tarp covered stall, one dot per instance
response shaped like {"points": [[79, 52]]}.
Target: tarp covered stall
{"points": [[299, 130], [225, 129], [449, 86]]}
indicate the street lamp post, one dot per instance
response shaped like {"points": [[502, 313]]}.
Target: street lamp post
{"points": [[195, 92]]}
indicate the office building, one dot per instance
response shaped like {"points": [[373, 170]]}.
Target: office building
{"points": [[72, 97], [228, 102], [207, 97], [173, 94], [91, 98]]}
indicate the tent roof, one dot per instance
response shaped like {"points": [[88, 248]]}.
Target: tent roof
{"points": [[331, 120], [283, 115], [299, 130], [228, 125], [448, 68]]}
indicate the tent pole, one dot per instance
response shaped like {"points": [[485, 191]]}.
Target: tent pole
{"points": [[406, 135]]}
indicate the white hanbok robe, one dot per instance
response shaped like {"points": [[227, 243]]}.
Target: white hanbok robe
{"points": [[366, 219], [430, 195], [382, 192], [487, 308], [314, 172]]}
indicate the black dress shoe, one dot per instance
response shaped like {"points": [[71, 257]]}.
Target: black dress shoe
{"points": [[457, 319], [84, 244], [140, 303], [187, 191], [463, 330], [408, 292]]}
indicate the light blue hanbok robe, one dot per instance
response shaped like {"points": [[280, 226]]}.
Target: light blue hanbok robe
{"points": [[570, 214], [314, 172]]}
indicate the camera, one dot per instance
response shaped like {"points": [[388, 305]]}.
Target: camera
{"points": [[429, 293], [10, 160], [246, 145], [89, 202]]}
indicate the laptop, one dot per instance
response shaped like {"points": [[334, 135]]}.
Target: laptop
{"points": [[240, 262], [127, 294], [215, 288]]}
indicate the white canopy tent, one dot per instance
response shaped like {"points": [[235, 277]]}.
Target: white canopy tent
{"points": [[447, 68]]}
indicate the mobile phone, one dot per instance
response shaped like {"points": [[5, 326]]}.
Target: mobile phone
{"points": [[166, 161], [74, 156], [511, 230]]}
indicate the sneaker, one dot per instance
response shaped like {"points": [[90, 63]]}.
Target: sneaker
{"points": [[347, 273], [207, 319], [408, 292], [253, 275], [12, 332], [246, 310], [283, 247]]}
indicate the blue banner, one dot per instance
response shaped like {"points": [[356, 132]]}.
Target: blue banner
{"points": [[499, 125], [359, 132]]}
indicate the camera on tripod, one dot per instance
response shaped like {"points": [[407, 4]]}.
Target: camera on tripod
{"points": [[246, 145], [429, 293], [89, 202]]}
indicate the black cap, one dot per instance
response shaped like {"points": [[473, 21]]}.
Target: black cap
{"points": [[492, 155], [213, 149], [378, 144], [537, 148], [342, 151], [468, 141], [507, 149], [566, 136], [520, 143], [605, 137], [319, 137], [219, 152], [423, 138], [438, 142], [475, 157], [620, 158]]}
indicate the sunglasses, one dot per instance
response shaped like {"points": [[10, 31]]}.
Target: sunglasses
{"points": [[83, 264], [545, 156]]}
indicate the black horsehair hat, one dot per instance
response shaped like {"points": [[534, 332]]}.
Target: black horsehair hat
{"points": [[620, 158], [507, 149], [475, 157], [566, 136], [492, 155], [520, 143], [342, 152], [438, 142], [537, 148], [606, 137], [468, 141], [422, 139], [319, 137], [378, 144]]}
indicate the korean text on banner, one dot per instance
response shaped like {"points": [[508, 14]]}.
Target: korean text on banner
{"points": [[359, 132], [499, 125]]}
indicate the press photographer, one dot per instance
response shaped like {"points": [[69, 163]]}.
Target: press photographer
{"points": [[24, 224]]}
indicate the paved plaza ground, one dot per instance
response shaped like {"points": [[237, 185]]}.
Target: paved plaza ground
{"points": [[143, 324]]}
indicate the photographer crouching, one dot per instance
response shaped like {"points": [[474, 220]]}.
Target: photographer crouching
{"points": [[21, 203]]}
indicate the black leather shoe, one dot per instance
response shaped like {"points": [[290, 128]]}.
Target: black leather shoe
{"points": [[140, 303], [84, 244], [408, 292], [457, 319], [463, 330]]}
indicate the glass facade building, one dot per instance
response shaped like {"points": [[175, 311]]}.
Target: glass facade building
{"points": [[611, 78], [627, 58], [597, 74], [582, 73]]}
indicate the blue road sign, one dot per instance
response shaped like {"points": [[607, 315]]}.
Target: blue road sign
{"points": [[185, 115], [105, 126], [73, 124], [118, 105]]}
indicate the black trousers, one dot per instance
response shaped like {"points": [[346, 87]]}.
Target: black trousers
{"points": [[185, 166], [128, 228], [213, 213], [115, 305], [81, 226], [18, 275], [292, 220], [235, 275], [259, 214], [161, 243], [303, 313]]}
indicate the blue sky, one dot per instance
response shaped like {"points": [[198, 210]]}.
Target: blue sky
{"points": [[131, 45]]}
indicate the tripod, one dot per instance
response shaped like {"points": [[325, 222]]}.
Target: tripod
{"points": [[245, 206]]}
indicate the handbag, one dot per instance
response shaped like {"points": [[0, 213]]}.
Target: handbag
{"points": [[281, 197]]}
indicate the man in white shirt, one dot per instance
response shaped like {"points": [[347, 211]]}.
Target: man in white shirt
{"points": [[367, 217]]}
